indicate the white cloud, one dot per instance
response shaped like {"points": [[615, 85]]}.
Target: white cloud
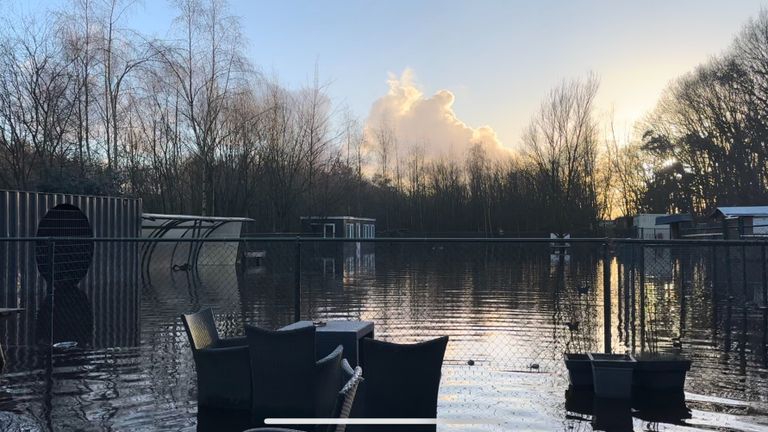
{"points": [[428, 123]]}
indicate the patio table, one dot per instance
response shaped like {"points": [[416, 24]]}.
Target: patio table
{"points": [[338, 332]]}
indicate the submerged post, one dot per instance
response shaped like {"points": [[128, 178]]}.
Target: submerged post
{"points": [[297, 283], [714, 293], [607, 298], [765, 276], [51, 287]]}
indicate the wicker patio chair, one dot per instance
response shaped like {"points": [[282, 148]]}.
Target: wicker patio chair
{"points": [[346, 397], [222, 365], [390, 369], [287, 382]]}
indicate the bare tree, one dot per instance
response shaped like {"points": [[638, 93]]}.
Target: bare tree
{"points": [[208, 69], [561, 145]]}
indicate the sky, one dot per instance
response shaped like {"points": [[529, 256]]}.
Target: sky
{"points": [[477, 67]]}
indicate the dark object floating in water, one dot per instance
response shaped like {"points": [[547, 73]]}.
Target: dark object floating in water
{"points": [[65, 345], [677, 343], [471, 362], [583, 290], [182, 267], [573, 326], [533, 366]]}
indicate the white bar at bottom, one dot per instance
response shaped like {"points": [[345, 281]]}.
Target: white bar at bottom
{"points": [[375, 421]]}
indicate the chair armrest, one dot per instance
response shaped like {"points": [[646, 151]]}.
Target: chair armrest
{"points": [[224, 360], [222, 351], [349, 372], [232, 342]]}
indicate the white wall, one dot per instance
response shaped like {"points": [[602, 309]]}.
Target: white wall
{"points": [[645, 224]]}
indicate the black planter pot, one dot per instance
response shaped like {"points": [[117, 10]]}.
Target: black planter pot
{"points": [[661, 373], [579, 370], [612, 375]]}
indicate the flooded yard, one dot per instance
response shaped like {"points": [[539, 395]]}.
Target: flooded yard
{"points": [[511, 311]]}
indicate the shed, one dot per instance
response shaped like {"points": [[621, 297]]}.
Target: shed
{"points": [[339, 227], [645, 227], [97, 289], [742, 221], [676, 223]]}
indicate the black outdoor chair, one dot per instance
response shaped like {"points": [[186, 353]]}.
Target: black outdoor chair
{"points": [[223, 367], [401, 381], [287, 382], [345, 400]]}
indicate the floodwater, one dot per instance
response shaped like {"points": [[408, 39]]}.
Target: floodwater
{"points": [[510, 310]]}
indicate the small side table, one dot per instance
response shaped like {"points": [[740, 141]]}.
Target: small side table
{"points": [[6, 313], [338, 332]]}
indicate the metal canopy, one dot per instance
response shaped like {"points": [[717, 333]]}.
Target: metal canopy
{"points": [[187, 256]]}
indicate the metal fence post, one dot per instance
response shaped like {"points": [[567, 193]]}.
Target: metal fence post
{"points": [[297, 283], [642, 298], [729, 299], [765, 304], [633, 300], [714, 292], [765, 276], [607, 298], [745, 306], [682, 294], [51, 286]]}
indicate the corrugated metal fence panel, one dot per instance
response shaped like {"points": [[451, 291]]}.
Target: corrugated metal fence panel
{"points": [[111, 284]]}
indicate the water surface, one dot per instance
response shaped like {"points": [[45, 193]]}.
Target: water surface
{"points": [[507, 308]]}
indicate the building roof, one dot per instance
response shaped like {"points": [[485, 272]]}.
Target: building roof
{"points": [[338, 218], [744, 211], [674, 218]]}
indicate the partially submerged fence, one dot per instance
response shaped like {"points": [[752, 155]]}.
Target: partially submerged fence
{"points": [[508, 304]]}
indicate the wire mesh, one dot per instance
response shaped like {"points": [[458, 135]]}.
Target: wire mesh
{"points": [[511, 309]]}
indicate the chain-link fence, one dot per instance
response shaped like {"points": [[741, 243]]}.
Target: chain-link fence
{"points": [[106, 347]]}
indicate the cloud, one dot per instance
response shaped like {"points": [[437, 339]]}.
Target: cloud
{"points": [[427, 123]]}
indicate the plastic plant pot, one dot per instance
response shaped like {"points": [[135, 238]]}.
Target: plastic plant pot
{"points": [[661, 372], [579, 370], [612, 375]]}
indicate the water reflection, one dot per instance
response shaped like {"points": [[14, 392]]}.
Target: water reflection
{"points": [[71, 320], [506, 308]]}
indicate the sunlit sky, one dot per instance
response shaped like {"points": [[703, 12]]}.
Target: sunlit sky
{"points": [[498, 58]]}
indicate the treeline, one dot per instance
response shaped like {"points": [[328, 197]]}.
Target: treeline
{"points": [[706, 143], [189, 125]]}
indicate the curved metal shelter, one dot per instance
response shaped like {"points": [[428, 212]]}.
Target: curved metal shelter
{"points": [[186, 256]]}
